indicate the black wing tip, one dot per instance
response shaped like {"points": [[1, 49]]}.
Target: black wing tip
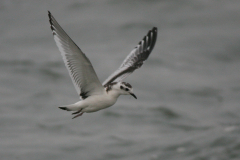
{"points": [[152, 34], [153, 37], [51, 22], [63, 108], [148, 45], [154, 29], [50, 18]]}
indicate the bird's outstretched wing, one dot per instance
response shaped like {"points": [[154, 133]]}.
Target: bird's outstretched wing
{"points": [[79, 67], [135, 58]]}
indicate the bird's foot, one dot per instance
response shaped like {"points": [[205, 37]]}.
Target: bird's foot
{"points": [[78, 115]]}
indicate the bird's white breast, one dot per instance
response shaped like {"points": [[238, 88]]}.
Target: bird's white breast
{"points": [[98, 102]]}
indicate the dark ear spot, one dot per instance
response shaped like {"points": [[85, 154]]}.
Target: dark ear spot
{"points": [[121, 87]]}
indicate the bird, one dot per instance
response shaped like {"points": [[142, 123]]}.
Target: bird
{"points": [[95, 96]]}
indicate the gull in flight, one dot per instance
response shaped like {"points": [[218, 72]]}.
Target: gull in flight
{"points": [[94, 95]]}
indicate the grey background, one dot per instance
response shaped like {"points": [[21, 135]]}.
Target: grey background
{"points": [[188, 90]]}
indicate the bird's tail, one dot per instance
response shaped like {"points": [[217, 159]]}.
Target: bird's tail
{"points": [[71, 107]]}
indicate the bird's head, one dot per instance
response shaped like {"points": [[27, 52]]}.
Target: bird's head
{"points": [[123, 88]]}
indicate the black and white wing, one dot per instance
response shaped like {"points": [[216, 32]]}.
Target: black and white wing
{"points": [[79, 67], [135, 58]]}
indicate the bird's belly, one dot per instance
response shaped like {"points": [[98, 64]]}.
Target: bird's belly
{"points": [[98, 103]]}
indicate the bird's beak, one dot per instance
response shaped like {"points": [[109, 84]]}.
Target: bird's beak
{"points": [[132, 94]]}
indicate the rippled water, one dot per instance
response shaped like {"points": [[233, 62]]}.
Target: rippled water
{"points": [[188, 90]]}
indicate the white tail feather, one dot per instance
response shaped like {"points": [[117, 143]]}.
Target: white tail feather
{"points": [[71, 107]]}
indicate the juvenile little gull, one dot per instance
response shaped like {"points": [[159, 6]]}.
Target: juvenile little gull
{"points": [[94, 95]]}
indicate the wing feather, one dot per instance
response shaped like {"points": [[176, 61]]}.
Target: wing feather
{"points": [[79, 66], [135, 58]]}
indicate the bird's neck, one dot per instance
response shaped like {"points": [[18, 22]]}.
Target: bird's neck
{"points": [[113, 93]]}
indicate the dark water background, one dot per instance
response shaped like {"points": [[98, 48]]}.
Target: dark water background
{"points": [[188, 105]]}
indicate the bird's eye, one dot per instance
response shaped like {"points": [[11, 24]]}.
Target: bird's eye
{"points": [[126, 89], [121, 87]]}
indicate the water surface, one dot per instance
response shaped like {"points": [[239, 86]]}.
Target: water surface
{"points": [[188, 90]]}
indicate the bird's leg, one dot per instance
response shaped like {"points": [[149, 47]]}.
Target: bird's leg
{"points": [[78, 115], [77, 112]]}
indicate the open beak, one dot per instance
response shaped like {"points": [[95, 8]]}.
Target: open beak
{"points": [[132, 94]]}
